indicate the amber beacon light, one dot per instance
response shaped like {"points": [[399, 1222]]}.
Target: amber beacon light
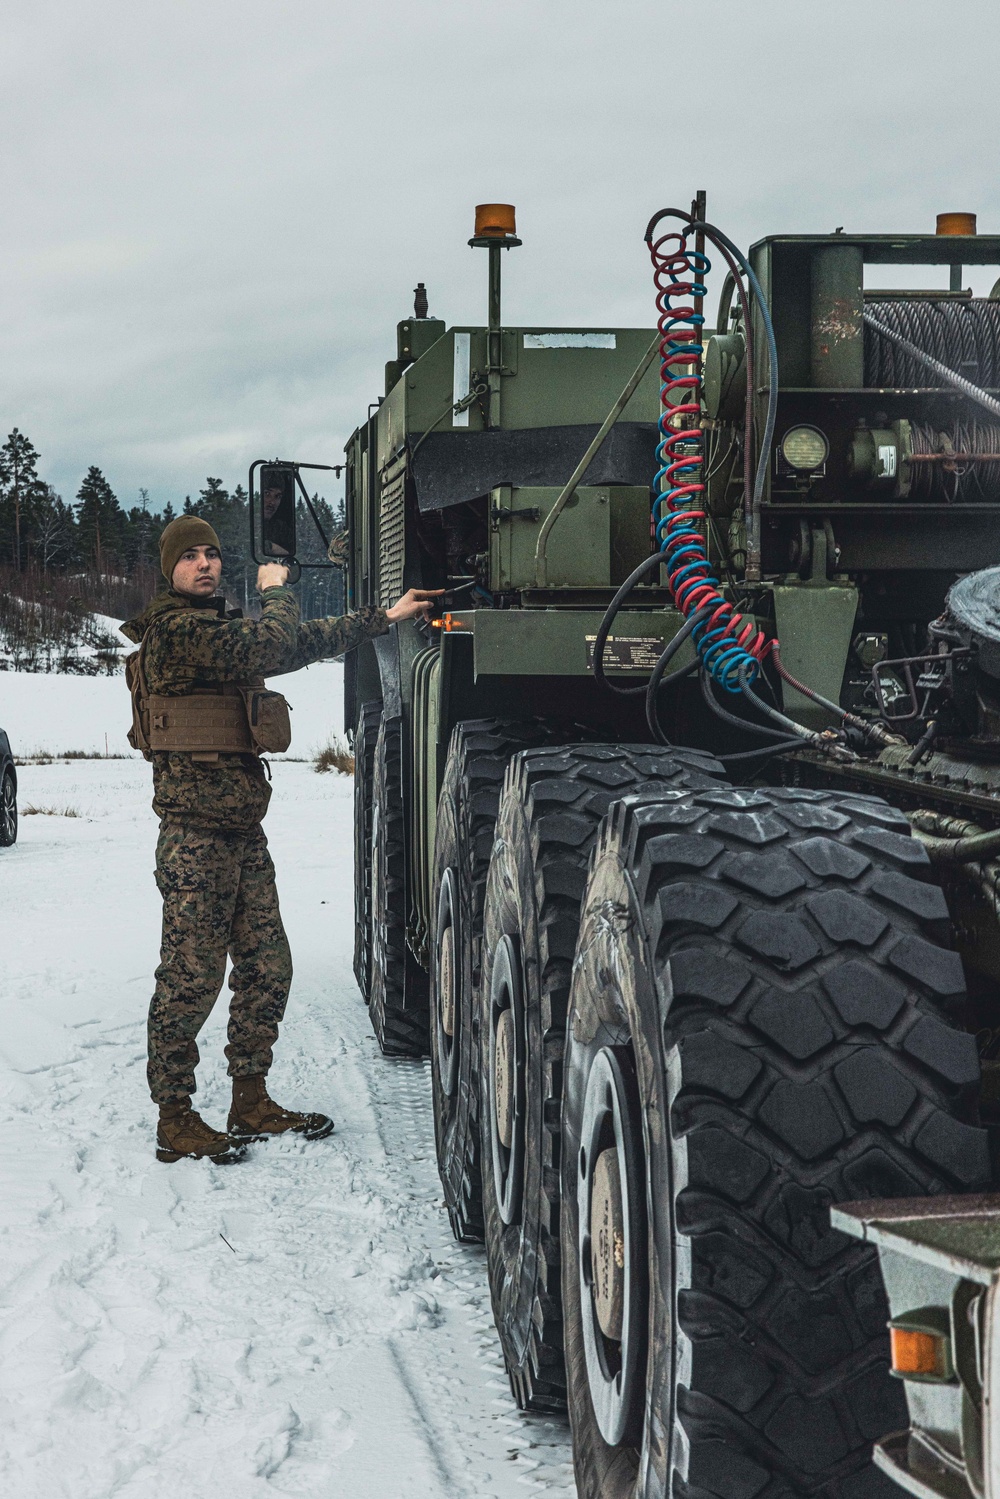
{"points": [[948, 223], [494, 220]]}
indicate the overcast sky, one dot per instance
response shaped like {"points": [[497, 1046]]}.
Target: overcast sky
{"points": [[214, 213]]}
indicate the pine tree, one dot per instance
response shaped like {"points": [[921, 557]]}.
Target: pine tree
{"points": [[19, 487], [100, 521], [140, 535]]}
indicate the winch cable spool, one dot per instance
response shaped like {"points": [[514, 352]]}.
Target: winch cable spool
{"points": [[948, 375], [963, 336], [945, 465]]}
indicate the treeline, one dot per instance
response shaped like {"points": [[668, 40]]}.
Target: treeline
{"points": [[61, 562]]}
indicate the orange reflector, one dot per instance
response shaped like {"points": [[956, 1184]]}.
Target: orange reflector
{"points": [[451, 623], [956, 223], [494, 218], [917, 1353]]}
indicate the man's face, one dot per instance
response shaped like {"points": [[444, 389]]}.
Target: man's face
{"points": [[271, 501], [198, 572]]}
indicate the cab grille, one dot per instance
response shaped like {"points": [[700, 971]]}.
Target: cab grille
{"points": [[392, 527]]}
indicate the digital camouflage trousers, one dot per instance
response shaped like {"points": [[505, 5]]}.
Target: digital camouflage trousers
{"points": [[219, 899]]}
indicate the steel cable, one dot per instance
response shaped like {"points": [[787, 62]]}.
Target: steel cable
{"points": [[963, 335], [971, 475]]}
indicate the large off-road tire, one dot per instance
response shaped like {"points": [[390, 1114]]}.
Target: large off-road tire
{"points": [[398, 990], [552, 805], [365, 735], [478, 755], [763, 1022]]}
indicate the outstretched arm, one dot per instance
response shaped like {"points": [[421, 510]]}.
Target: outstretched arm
{"points": [[323, 639]]}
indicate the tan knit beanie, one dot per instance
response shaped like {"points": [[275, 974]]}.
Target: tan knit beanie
{"points": [[181, 534]]}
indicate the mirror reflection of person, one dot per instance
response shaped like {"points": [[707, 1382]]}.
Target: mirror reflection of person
{"points": [[270, 500]]}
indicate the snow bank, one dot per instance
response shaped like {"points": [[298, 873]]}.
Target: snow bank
{"points": [[49, 713]]}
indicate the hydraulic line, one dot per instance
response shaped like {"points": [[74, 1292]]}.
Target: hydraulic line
{"points": [[655, 682], [787, 724], [730, 647], [778, 747], [655, 562], [737, 261], [652, 711], [825, 741], [872, 731], [962, 843], [747, 726], [726, 641]]}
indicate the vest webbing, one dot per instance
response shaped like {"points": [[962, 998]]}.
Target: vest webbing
{"points": [[206, 721]]}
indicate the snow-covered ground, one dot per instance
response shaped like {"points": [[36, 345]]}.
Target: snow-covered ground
{"points": [[301, 1324], [53, 713]]}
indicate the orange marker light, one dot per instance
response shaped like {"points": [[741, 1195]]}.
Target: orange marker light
{"points": [[922, 1355], [451, 623], [494, 219], [956, 223]]}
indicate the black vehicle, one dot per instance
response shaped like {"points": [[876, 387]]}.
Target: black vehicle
{"points": [[8, 794]]}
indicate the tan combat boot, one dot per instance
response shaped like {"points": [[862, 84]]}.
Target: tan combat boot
{"points": [[254, 1115], [183, 1135]]}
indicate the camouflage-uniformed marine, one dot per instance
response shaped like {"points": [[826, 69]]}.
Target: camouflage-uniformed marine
{"points": [[213, 868]]}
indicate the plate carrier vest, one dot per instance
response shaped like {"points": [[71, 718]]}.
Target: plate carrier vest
{"points": [[208, 721]]}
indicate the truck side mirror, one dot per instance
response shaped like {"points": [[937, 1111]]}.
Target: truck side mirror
{"points": [[277, 510]]}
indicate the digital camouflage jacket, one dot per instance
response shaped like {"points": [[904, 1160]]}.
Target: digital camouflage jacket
{"points": [[200, 645]]}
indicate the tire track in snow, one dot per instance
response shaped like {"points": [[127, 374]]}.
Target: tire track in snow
{"points": [[538, 1445]]}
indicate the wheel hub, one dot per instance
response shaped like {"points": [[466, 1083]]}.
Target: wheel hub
{"points": [[447, 980], [607, 1244], [503, 1077], [612, 1244], [447, 1020]]}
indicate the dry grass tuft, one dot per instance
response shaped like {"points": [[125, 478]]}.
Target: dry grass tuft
{"points": [[337, 756], [46, 757], [32, 811]]}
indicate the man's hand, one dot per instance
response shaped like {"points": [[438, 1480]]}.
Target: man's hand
{"points": [[415, 603], [271, 575]]}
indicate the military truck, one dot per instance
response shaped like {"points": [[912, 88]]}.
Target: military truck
{"points": [[675, 831]]}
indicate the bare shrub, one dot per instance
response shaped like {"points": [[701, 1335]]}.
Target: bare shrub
{"points": [[336, 756], [47, 621], [49, 757], [32, 811]]}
